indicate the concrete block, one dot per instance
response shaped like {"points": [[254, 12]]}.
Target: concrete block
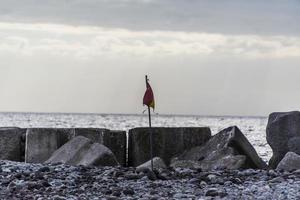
{"points": [[167, 142], [42, 142], [10, 144]]}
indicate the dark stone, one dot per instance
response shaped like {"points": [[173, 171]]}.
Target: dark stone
{"points": [[151, 175], [229, 149], [44, 169], [128, 191], [167, 142], [283, 130], [214, 192]]}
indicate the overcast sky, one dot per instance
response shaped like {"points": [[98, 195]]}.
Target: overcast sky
{"points": [[212, 57]]}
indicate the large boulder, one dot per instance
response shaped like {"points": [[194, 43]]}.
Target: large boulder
{"points": [[42, 142], [291, 161], [82, 151], [229, 149], [283, 132], [11, 144], [167, 142]]}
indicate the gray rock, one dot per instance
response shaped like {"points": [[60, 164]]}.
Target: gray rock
{"points": [[283, 132], [167, 142], [158, 163], [82, 151], [41, 143], [229, 149], [291, 161], [10, 144]]}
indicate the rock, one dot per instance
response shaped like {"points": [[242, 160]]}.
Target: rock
{"points": [[151, 175], [167, 142], [42, 142], [158, 163], [229, 149], [82, 151], [10, 144], [283, 132], [213, 192], [291, 161], [128, 191]]}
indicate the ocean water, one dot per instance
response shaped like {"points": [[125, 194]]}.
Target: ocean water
{"points": [[254, 128]]}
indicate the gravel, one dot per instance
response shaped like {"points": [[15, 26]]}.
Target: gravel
{"points": [[58, 181]]}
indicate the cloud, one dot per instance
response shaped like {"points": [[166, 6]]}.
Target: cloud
{"points": [[87, 42], [230, 17]]}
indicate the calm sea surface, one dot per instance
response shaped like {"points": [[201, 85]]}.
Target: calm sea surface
{"points": [[253, 127]]}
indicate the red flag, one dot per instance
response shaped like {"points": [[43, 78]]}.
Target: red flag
{"points": [[148, 99]]}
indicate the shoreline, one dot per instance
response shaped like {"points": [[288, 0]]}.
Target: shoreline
{"points": [[58, 181]]}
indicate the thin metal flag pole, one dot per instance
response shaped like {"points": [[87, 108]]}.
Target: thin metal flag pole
{"points": [[151, 134]]}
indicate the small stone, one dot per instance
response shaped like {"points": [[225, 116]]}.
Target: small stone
{"points": [[203, 184], [151, 175], [213, 192], [132, 176], [44, 169], [194, 181], [128, 191], [116, 193]]}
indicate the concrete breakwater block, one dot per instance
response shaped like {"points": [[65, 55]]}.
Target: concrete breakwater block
{"points": [[283, 135], [41, 143], [82, 151], [11, 147], [228, 149], [114, 140], [167, 142]]}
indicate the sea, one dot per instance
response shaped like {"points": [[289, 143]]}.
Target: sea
{"points": [[254, 128]]}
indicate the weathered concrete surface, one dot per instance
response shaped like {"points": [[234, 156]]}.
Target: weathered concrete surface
{"points": [[291, 161], [229, 149], [114, 140], [82, 151], [283, 132], [11, 144], [42, 142], [167, 142], [98, 155]]}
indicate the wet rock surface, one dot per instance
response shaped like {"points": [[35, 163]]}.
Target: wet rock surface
{"points": [[59, 181]]}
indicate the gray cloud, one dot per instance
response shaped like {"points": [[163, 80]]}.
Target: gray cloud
{"points": [[233, 16]]}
